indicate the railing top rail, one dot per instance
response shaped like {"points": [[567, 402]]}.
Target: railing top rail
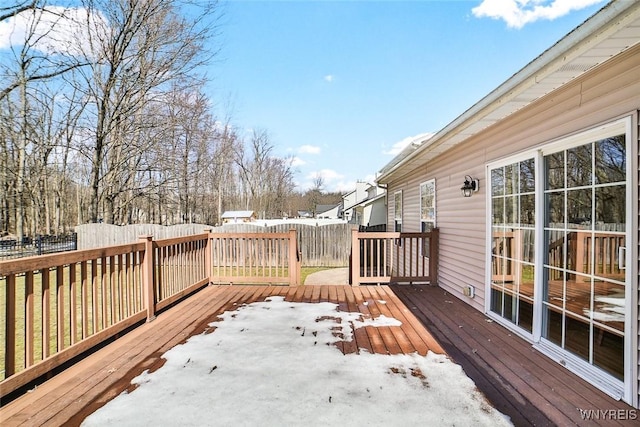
{"points": [[182, 239], [393, 234], [21, 265], [250, 235], [419, 234]]}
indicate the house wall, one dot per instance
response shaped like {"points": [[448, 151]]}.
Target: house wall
{"points": [[375, 213], [607, 92]]}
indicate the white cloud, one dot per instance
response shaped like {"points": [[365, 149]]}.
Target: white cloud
{"points": [[329, 78], [370, 178], [54, 30], [343, 186], [276, 363], [329, 175], [297, 161], [518, 13], [333, 181], [400, 145], [309, 149]]}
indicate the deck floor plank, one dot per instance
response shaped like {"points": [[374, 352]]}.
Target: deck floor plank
{"points": [[413, 330], [520, 381], [324, 293], [351, 306], [341, 301], [386, 333], [315, 295], [362, 334], [394, 341], [385, 307]]}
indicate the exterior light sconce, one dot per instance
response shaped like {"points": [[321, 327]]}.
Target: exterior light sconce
{"points": [[470, 186]]}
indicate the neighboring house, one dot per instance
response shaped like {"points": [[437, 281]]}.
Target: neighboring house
{"points": [[305, 214], [232, 217], [358, 211], [372, 211], [329, 211], [548, 238]]}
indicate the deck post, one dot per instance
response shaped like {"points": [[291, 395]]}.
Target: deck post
{"points": [[147, 277], [433, 256], [208, 256], [355, 258], [294, 265]]}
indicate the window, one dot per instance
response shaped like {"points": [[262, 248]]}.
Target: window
{"points": [[397, 211], [428, 205]]}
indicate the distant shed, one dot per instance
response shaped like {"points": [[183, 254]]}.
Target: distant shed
{"points": [[233, 217]]}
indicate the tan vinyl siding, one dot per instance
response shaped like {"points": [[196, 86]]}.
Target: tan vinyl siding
{"points": [[462, 246]]}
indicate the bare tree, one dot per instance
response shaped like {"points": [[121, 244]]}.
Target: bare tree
{"points": [[314, 195], [36, 59], [16, 8], [144, 46], [31, 61], [265, 179]]}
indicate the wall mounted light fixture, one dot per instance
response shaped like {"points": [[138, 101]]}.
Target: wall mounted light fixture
{"points": [[470, 186]]}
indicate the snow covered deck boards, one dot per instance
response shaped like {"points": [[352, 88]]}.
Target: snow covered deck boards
{"points": [[518, 380], [66, 399]]}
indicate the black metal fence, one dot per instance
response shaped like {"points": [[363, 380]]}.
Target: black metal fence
{"points": [[373, 228], [38, 245]]}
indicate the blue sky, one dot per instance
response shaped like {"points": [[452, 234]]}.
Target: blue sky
{"points": [[340, 84]]}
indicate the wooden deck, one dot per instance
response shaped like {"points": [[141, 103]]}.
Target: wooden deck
{"points": [[519, 381], [67, 398]]}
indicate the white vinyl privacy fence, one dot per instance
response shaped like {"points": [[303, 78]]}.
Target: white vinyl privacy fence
{"points": [[326, 245]]}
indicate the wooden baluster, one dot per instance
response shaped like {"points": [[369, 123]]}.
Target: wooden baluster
{"points": [[10, 327], [46, 313], [29, 315]]}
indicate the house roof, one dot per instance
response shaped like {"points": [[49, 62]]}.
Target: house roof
{"points": [[320, 209], [612, 30], [372, 199]]}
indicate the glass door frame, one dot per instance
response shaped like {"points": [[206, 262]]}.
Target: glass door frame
{"points": [[533, 154], [627, 389]]}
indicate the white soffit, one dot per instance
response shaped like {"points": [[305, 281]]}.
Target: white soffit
{"points": [[612, 30]]}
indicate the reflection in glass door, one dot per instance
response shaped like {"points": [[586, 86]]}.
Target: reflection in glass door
{"points": [[512, 245], [583, 301]]}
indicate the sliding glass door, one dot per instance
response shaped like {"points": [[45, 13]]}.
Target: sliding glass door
{"points": [[558, 239]]}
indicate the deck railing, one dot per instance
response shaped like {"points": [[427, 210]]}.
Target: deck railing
{"points": [[510, 248], [385, 257], [55, 307], [271, 258]]}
